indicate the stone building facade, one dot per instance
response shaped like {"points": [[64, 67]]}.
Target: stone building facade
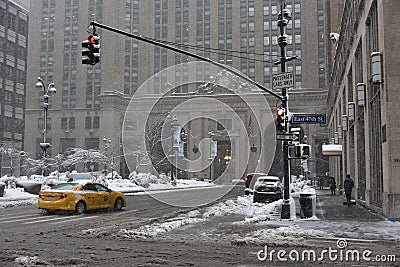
{"points": [[363, 100], [91, 100], [14, 22]]}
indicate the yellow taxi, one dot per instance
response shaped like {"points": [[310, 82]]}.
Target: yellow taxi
{"points": [[80, 197]]}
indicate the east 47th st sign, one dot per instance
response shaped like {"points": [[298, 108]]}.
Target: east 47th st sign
{"points": [[282, 80]]}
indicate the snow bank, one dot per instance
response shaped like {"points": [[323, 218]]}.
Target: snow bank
{"points": [[155, 229], [123, 185], [27, 260], [145, 179], [292, 235], [244, 205], [17, 197]]}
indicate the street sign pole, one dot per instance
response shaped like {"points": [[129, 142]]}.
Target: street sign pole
{"points": [[283, 20]]}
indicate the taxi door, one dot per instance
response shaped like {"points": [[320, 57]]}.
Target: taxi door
{"points": [[104, 199], [89, 193]]}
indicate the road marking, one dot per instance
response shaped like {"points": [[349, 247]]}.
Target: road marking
{"points": [[25, 219], [47, 220], [77, 219], [320, 208], [13, 217]]}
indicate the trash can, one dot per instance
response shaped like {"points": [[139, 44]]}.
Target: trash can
{"points": [[307, 205], [2, 186]]}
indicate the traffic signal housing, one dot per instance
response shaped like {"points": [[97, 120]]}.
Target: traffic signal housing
{"points": [[91, 50], [280, 119], [303, 151]]}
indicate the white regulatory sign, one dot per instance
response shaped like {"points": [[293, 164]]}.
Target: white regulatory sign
{"points": [[282, 80]]}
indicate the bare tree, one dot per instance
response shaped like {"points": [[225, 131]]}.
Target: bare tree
{"points": [[78, 155]]}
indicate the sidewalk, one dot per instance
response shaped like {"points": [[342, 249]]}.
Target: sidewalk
{"points": [[331, 208]]}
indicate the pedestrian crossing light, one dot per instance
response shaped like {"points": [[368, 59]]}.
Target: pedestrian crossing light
{"points": [[281, 119], [303, 151], [91, 50]]}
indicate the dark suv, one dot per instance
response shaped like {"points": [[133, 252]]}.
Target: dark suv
{"points": [[267, 189], [249, 181]]}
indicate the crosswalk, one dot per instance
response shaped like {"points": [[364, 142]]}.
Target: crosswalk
{"points": [[36, 218]]}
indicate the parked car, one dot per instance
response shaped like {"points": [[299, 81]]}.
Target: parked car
{"points": [[249, 181], [267, 189], [80, 197]]}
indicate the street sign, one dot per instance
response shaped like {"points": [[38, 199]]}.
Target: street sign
{"points": [[282, 80], [287, 137], [308, 118]]}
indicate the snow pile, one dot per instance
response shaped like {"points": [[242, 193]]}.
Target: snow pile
{"points": [[122, 185], [292, 235], [29, 261], [155, 229], [299, 185], [17, 197], [244, 205], [145, 179]]}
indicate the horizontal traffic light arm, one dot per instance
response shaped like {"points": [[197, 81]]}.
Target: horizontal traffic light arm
{"points": [[153, 42]]}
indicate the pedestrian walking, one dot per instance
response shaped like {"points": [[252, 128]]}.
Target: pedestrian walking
{"points": [[332, 185], [321, 182], [348, 185]]}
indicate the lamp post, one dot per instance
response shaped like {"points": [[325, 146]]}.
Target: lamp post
{"points": [[174, 139], [107, 143], [47, 90], [212, 153]]}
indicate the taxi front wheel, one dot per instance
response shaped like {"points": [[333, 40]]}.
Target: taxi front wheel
{"points": [[80, 207]]}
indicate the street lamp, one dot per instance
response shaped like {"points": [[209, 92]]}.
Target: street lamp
{"points": [[175, 141], [50, 89], [107, 143], [213, 151]]}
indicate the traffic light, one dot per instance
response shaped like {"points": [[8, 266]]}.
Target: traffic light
{"points": [[303, 151], [91, 50], [281, 119]]}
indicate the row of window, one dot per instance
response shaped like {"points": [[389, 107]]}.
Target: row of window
{"points": [[68, 123]]}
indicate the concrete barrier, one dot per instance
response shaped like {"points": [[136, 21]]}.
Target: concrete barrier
{"points": [[30, 187], [2, 186]]}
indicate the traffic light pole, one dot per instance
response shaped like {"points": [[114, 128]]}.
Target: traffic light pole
{"points": [[283, 19]]}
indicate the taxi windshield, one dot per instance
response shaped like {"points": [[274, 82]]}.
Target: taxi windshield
{"points": [[64, 186]]}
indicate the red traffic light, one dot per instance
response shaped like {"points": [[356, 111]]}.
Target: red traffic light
{"points": [[91, 39], [280, 112], [280, 119]]}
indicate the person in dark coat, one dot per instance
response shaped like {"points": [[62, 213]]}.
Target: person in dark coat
{"points": [[348, 185], [321, 182], [332, 185]]}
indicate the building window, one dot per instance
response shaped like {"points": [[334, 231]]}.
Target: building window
{"points": [[96, 122], [72, 123], [88, 123], [92, 143], [66, 143], [64, 123]]}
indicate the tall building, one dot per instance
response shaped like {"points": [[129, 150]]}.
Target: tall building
{"points": [[363, 99], [14, 22], [91, 100]]}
